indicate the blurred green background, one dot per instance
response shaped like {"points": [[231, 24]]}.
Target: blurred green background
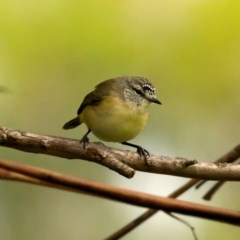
{"points": [[54, 52]]}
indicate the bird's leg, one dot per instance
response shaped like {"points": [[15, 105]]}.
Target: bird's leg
{"points": [[140, 150], [85, 138]]}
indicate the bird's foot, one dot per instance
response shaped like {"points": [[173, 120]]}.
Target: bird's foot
{"points": [[140, 150], [143, 153], [84, 141]]}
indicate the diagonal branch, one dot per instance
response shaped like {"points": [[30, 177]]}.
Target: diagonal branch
{"points": [[123, 162], [30, 174], [229, 157]]}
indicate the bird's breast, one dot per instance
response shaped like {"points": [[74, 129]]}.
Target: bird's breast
{"points": [[114, 120]]}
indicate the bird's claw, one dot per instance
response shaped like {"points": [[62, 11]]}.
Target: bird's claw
{"points": [[143, 153]]}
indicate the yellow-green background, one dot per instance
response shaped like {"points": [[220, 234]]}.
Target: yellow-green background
{"points": [[53, 52]]}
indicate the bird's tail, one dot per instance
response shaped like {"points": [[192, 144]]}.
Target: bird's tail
{"points": [[72, 123]]}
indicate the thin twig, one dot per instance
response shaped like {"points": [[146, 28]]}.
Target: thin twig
{"points": [[185, 223]]}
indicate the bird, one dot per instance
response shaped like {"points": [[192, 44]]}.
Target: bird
{"points": [[116, 110]]}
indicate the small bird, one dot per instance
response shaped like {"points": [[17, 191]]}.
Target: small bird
{"points": [[116, 110]]}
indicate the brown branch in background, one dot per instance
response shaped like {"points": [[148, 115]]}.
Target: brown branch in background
{"points": [[123, 162], [229, 157], [149, 213], [208, 196], [16, 171]]}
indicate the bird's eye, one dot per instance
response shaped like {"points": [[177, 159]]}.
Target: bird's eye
{"points": [[139, 92]]}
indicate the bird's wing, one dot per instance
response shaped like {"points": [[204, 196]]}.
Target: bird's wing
{"points": [[93, 98], [102, 90]]}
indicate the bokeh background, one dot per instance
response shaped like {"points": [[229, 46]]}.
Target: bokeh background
{"points": [[54, 52]]}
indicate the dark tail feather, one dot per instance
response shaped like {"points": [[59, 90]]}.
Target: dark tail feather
{"points": [[72, 123]]}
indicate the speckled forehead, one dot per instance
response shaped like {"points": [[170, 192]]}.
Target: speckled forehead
{"points": [[144, 83], [149, 87]]}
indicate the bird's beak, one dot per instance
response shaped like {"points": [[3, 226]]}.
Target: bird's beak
{"points": [[155, 100]]}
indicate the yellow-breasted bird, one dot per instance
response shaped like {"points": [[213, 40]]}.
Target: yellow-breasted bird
{"points": [[116, 110]]}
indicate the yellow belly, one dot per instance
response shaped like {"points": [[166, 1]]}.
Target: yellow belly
{"points": [[114, 121]]}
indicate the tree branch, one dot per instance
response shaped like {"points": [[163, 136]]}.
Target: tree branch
{"points": [[20, 172], [123, 162]]}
